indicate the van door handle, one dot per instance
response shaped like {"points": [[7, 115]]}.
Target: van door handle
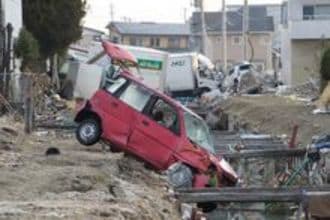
{"points": [[145, 123]]}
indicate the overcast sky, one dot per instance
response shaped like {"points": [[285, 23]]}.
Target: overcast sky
{"points": [[99, 15]]}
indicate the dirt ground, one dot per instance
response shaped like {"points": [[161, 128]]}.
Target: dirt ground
{"points": [[80, 183], [277, 115]]}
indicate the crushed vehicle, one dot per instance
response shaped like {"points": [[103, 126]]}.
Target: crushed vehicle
{"points": [[144, 122], [243, 78], [191, 74]]}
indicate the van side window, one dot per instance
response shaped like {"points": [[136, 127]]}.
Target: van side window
{"points": [[135, 96], [113, 85], [165, 115]]}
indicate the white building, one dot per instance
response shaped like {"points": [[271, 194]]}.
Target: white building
{"points": [[305, 35]]}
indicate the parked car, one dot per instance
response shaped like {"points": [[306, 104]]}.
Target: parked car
{"points": [[137, 119]]}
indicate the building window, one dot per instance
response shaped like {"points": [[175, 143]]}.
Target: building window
{"points": [[115, 39], [174, 42], [316, 12], [155, 42], [140, 41], [133, 41], [308, 12], [237, 40]]}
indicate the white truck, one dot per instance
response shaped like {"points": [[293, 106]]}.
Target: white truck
{"points": [[190, 74], [182, 74], [151, 64]]}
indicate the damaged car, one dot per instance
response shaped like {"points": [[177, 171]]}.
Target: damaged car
{"points": [[144, 122]]}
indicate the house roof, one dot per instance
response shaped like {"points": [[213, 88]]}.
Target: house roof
{"points": [[258, 22], [134, 28], [93, 30]]}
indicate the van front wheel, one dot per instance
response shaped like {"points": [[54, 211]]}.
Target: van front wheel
{"points": [[89, 132], [180, 176]]}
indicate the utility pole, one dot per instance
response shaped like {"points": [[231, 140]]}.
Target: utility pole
{"points": [[185, 12], [245, 29], [112, 12], [224, 35], [204, 33]]}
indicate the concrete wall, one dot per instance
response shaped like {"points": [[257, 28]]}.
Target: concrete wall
{"points": [[306, 58]]}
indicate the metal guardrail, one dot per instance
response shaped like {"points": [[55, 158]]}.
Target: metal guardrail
{"points": [[252, 195], [266, 153]]}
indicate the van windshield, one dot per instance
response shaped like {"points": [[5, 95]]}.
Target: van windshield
{"points": [[198, 132]]}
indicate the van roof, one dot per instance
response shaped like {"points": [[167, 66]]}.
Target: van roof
{"points": [[177, 104]]}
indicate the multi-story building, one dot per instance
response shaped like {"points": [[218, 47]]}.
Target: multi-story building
{"points": [[260, 34], [305, 34], [272, 10], [172, 37]]}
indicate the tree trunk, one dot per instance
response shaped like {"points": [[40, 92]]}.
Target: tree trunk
{"points": [[54, 72], [28, 103], [8, 59]]}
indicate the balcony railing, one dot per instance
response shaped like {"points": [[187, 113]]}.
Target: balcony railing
{"points": [[310, 29]]}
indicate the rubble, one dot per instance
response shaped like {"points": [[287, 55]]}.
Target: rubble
{"points": [[78, 184], [309, 90]]}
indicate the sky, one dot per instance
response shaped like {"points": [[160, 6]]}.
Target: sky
{"points": [[99, 11]]}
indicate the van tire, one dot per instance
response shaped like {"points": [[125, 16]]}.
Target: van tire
{"points": [[180, 176], [89, 132]]}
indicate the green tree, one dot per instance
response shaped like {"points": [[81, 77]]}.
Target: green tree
{"points": [[54, 23], [325, 69], [27, 49]]}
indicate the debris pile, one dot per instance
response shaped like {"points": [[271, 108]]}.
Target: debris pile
{"points": [[50, 109], [249, 83], [78, 184], [309, 90]]}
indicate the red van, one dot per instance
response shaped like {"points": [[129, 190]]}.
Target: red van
{"points": [[150, 125]]}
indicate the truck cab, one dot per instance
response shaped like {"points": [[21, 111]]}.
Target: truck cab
{"points": [[190, 74]]}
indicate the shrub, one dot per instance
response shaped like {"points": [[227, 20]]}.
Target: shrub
{"points": [[27, 48], [325, 69]]}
